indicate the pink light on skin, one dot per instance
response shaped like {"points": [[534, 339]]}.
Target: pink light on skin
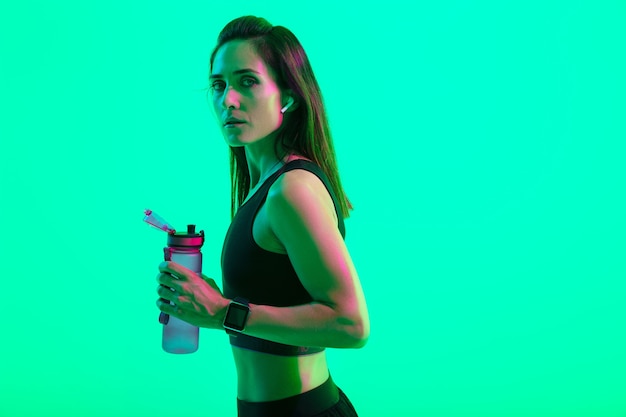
{"points": [[245, 88]]}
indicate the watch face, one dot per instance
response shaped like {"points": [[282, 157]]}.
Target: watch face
{"points": [[236, 316]]}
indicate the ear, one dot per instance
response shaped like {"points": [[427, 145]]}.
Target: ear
{"points": [[290, 101]]}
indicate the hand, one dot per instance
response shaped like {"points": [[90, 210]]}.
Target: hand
{"points": [[197, 299]]}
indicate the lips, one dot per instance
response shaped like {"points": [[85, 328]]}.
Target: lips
{"points": [[232, 121]]}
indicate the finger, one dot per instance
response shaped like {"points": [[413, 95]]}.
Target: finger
{"points": [[167, 293], [169, 280], [170, 269], [177, 270], [167, 308]]}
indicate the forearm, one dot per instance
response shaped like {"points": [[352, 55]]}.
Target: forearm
{"points": [[313, 324]]}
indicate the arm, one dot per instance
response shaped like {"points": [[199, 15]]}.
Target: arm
{"points": [[302, 216]]}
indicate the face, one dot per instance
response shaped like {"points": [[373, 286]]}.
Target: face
{"points": [[243, 87]]}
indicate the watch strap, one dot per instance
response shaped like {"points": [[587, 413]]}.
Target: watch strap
{"points": [[242, 300]]}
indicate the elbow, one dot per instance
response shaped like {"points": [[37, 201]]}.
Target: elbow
{"points": [[357, 332], [351, 327], [361, 334], [358, 340]]}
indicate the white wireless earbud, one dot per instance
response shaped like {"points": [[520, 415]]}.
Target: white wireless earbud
{"points": [[289, 104]]}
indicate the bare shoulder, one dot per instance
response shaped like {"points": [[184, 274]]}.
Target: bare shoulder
{"points": [[300, 193]]}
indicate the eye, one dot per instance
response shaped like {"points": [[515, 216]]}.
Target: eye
{"points": [[217, 85], [248, 81]]}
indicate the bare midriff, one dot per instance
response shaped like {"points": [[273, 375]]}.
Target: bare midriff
{"points": [[266, 377]]}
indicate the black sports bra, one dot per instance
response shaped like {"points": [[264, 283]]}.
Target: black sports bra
{"points": [[261, 276]]}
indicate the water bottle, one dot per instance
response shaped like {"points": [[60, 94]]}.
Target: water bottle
{"points": [[184, 249]]}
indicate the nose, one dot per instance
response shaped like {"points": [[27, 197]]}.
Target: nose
{"points": [[230, 98]]}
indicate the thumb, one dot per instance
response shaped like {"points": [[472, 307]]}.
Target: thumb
{"points": [[211, 282]]}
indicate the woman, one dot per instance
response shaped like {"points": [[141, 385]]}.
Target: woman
{"points": [[290, 287]]}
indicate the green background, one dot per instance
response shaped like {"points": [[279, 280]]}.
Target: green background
{"points": [[481, 142]]}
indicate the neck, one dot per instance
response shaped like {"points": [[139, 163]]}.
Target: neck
{"points": [[262, 161]]}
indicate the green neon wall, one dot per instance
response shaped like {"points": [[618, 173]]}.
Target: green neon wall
{"points": [[481, 142]]}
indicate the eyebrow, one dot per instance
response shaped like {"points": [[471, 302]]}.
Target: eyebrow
{"points": [[240, 71]]}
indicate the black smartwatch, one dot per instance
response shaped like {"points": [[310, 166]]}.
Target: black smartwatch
{"points": [[236, 316]]}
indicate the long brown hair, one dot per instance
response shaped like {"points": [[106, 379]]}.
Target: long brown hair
{"points": [[306, 132]]}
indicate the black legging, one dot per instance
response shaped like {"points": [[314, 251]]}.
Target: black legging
{"points": [[327, 400]]}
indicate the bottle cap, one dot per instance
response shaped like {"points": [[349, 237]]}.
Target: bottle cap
{"points": [[189, 239], [157, 221]]}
